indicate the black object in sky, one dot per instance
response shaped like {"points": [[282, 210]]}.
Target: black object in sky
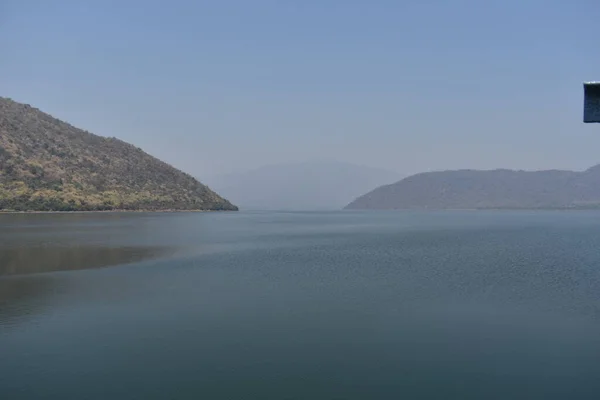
{"points": [[591, 103]]}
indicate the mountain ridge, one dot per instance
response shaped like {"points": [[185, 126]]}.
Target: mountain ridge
{"points": [[488, 189], [49, 165]]}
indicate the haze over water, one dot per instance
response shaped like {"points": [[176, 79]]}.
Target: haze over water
{"points": [[313, 305]]}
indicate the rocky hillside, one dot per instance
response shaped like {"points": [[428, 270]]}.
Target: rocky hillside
{"points": [[49, 165], [488, 189]]}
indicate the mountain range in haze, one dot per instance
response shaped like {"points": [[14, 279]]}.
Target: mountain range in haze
{"points": [[318, 185], [49, 165], [494, 189]]}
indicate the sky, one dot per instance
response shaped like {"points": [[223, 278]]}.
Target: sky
{"points": [[215, 87]]}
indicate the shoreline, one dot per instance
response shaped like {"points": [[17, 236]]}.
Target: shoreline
{"points": [[109, 211], [172, 211]]}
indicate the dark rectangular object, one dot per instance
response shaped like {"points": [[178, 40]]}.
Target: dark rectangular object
{"points": [[591, 102]]}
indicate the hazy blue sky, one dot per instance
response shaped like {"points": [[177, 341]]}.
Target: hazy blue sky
{"points": [[221, 86]]}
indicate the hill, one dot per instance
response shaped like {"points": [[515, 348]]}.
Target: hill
{"points": [[318, 185], [488, 189], [49, 165]]}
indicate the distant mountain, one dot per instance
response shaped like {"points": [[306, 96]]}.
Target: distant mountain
{"points": [[49, 165], [488, 189], [300, 186]]}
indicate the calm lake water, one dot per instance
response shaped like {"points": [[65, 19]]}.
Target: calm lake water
{"points": [[340, 305]]}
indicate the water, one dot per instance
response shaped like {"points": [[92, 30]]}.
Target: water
{"points": [[340, 305]]}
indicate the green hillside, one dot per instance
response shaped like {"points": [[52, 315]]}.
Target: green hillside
{"points": [[49, 165]]}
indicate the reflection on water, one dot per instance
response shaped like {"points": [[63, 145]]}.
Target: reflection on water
{"points": [[37, 243], [42, 243], [23, 295], [36, 259]]}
